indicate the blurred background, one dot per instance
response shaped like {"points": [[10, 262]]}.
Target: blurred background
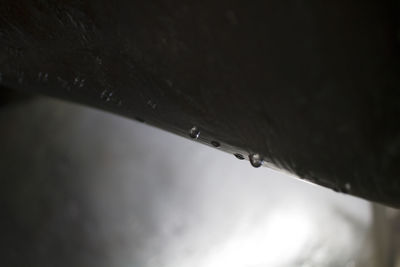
{"points": [[81, 187]]}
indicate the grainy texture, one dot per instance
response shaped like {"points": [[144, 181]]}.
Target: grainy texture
{"points": [[311, 86]]}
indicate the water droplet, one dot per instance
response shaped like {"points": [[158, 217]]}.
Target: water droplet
{"points": [[194, 132], [82, 83], [215, 143], [109, 97], [239, 156], [139, 119], [151, 104], [256, 160], [347, 187], [103, 94]]}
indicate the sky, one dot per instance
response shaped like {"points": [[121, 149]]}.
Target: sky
{"points": [[83, 187]]}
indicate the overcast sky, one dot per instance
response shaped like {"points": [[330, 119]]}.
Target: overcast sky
{"points": [[86, 188]]}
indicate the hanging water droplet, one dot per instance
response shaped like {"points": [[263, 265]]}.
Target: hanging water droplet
{"points": [[215, 143], [139, 119], [106, 95], [103, 94], [194, 132], [256, 160], [109, 97], [152, 104], [347, 187], [239, 156], [82, 83]]}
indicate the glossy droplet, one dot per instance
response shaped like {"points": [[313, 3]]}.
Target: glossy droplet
{"points": [[106, 95], [347, 187], [256, 160], [152, 104], [103, 94], [110, 94], [215, 143], [194, 132], [239, 156], [82, 83]]}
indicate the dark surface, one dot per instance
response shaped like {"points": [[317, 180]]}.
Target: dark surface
{"points": [[311, 86]]}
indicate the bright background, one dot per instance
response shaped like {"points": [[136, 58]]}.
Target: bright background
{"points": [[81, 187]]}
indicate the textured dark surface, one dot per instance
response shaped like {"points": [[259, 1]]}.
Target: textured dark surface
{"points": [[311, 86]]}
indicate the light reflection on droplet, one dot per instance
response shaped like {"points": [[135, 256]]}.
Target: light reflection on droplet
{"points": [[256, 160], [194, 132], [347, 187]]}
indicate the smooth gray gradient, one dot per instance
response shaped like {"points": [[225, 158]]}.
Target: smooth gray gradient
{"points": [[81, 187]]}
